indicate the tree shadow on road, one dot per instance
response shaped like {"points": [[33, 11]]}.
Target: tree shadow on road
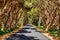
{"points": [[18, 36], [21, 37], [24, 31]]}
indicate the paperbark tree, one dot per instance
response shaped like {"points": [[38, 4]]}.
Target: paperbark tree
{"points": [[9, 13]]}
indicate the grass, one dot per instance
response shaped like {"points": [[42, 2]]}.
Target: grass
{"points": [[41, 27], [7, 31], [51, 31]]}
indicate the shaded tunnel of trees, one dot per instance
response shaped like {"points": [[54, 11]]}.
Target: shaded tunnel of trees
{"points": [[15, 13]]}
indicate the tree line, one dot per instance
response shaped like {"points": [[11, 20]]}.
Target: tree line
{"points": [[14, 13]]}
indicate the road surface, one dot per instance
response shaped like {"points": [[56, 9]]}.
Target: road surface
{"points": [[28, 33]]}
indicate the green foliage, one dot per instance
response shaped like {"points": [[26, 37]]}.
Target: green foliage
{"points": [[42, 27], [33, 15], [35, 21], [29, 3], [25, 21], [7, 31], [53, 32], [34, 12]]}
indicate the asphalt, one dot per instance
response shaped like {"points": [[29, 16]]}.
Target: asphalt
{"points": [[28, 33]]}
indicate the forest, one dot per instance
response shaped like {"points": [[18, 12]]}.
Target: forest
{"points": [[44, 14]]}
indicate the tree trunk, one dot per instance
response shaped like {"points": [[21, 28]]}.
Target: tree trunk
{"points": [[40, 20]]}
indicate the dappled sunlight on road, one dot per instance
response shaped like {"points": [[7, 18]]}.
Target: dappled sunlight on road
{"points": [[28, 33]]}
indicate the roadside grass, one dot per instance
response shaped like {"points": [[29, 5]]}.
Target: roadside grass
{"points": [[54, 32], [7, 31], [51, 31]]}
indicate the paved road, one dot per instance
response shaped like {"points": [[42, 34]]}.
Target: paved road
{"points": [[28, 33]]}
